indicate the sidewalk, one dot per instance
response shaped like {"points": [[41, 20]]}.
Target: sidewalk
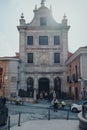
{"points": [[49, 125]]}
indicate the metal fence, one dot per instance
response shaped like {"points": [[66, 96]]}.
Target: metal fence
{"points": [[16, 118]]}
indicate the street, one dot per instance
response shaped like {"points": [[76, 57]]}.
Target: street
{"points": [[39, 111]]}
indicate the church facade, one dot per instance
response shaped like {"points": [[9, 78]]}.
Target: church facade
{"points": [[43, 50]]}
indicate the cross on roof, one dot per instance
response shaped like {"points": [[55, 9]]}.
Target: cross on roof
{"points": [[64, 16], [42, 2]]}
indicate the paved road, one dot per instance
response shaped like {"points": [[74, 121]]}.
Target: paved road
{"points": [[35, 112]]}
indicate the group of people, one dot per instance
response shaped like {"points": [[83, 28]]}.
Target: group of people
{"points": [[55, 104]]}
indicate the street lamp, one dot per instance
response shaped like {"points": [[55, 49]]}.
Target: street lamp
{"points": [[83, 88]]}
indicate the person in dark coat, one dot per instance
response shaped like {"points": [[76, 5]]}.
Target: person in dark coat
{"points": [[4, 100], [55, 104]]}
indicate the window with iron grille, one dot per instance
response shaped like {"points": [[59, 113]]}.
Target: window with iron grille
{"points": [[30, 58], [56, 57], [43, 40], [73, 77], [29, 40], [68, 78], [1, 71], [0, 83], [56, 40]]}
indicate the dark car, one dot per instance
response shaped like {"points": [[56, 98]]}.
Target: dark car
{"points": [[3, 112]]}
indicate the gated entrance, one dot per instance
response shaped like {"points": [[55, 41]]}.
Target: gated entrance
{"points": [[43, 90]]}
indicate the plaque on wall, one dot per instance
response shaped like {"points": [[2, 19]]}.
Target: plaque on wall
{"points": [[43, 58]]}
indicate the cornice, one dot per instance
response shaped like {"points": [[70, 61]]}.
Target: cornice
{"points": [[27, 27], [78, 53]]}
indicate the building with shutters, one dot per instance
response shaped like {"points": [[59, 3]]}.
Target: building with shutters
{"points": [[77, 74]]}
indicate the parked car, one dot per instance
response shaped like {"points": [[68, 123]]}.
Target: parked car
{"points": [[3, 112], [77, 107]]}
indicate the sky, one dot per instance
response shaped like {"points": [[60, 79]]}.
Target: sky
{"points": [[10, 12]]}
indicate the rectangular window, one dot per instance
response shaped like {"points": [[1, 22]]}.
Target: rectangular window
{"points": [[13, 79], [73, 77], [56, 40], [0, 83], [43, 40], [29, 40], [43, 21], [30, 57], [1, 71], [68, 78], [56, 57]]}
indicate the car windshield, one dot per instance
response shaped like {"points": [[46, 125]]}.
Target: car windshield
{"points": [[80, 102]]}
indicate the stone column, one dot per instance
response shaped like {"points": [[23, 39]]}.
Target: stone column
{"points": [[51, 85], [22, 45], [35, 88], [64, 82], [35, 94]]}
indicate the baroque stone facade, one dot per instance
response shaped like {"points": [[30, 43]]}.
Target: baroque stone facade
{"points": [[43, 50]]}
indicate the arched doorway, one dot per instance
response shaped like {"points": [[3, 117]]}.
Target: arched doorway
{"points": [[30, 88], [43, 89], [57, 87]]}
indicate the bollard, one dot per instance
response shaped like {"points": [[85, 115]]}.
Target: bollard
{"points": [[68, 114], [49, 114], [19, 119], [83, 110], [9, 123]]}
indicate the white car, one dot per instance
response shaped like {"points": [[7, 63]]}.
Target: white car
{"points": [[76, 107]]}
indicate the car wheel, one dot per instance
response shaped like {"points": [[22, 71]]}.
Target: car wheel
{"points": [[74, 110]]}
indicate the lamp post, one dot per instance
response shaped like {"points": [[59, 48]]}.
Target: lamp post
{"points": [[35, 94], [83, 88]]}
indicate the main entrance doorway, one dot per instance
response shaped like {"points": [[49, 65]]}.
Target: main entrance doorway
{"points": [[43, 90]]}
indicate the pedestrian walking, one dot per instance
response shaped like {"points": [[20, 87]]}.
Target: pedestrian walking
{"points": [[55, 104]]}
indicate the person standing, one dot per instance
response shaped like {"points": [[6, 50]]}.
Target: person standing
{"points": [[55, 104]]}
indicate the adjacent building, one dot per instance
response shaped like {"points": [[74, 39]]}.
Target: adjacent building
{"points": [[9, 76], [77, 74]]}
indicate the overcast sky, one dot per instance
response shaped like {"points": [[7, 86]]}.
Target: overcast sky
{"points": [[10, 12]]}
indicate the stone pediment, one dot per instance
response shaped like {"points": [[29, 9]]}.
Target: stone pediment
{"points": [[43, 12]]}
